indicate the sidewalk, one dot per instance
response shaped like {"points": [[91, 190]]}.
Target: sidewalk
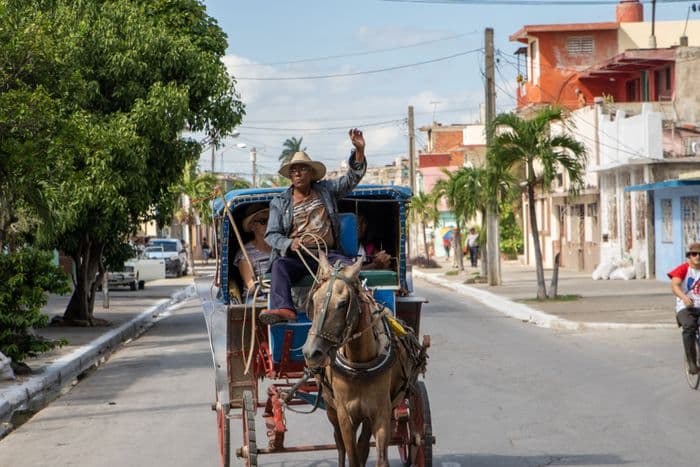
{"points": [[130, 313], [604, 304]]}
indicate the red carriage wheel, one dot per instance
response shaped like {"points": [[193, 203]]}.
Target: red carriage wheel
{"points": [[416, 449], [223, 427], [251, 460]]}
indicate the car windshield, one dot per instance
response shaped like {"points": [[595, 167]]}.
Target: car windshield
{"points": [[152, 249], [166, 246]]}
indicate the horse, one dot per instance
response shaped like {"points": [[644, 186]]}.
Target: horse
{"points": [[364, 374]]}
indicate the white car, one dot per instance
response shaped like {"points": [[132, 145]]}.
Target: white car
{"points": [[172, 251], [136, 272]]}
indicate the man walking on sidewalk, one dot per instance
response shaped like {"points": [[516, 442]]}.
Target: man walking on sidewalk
{"points": [[685, 284]]}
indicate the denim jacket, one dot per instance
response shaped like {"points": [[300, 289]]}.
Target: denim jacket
{"points": [[279, 224]]}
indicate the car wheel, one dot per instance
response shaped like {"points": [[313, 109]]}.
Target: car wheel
{"points": [[134, 285], [142, 284]]}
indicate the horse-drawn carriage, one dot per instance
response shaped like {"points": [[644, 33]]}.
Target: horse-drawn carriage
{"points": [[245, 351]]}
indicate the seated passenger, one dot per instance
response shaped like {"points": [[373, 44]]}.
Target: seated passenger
{"points": [[367, 251], [255, 222]]}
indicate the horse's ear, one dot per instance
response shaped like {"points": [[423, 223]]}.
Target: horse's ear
{"points": [[323, 264], [355, 268]]}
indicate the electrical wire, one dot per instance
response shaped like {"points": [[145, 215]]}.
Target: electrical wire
{"points": [[530, 2], [365, 125], [357, 54], [358, 73]]}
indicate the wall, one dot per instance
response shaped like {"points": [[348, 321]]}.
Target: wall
{"points": [[667, 33], [687, 97], [670, 255], [628, 139]]}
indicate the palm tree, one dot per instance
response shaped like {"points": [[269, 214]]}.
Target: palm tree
{"points": [[290, 145], [198, 187], [531, 143], [423, 210]]}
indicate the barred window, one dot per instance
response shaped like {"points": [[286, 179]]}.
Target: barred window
{"points": [[579, 45]]}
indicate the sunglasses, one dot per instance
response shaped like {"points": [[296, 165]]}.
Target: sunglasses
{"points": [[693, 253]]}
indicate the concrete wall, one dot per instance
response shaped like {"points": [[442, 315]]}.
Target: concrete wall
{"points": [[667, 33], [670, 255], [629, 139], [687, 97]]}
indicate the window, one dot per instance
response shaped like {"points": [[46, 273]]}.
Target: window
{"points": [[579, 45]]}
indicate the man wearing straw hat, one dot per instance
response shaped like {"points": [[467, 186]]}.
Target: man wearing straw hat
{"points": [[306, 216]]}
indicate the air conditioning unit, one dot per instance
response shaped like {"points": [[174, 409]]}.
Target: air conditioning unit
{"points": [[692, 146]]}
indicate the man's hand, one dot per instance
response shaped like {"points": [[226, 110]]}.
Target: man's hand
{"points": [[382, 260], [687, 301], [359, 142], [295, 244]]}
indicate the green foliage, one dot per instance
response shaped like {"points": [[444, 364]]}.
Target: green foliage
{"points": [[290, 145], [25, 278], [510, 232]]}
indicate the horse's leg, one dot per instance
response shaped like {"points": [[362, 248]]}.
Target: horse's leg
{"points": [[363, 442], [348, 430], [382, 432], [333, 417]]}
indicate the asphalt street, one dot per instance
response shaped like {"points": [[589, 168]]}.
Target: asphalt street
{"points": [[502, 393]]}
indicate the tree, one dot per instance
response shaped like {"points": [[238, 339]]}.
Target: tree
{"points": [[120, 79], [273, 181], [199, 191], [542, 152], [423, 210], [290, 145]]}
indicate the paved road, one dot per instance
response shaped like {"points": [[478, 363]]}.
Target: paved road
{"points": [[503, 393]]}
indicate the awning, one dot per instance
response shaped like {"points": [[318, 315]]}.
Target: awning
{"points": [[631, 61], [663, 185]]}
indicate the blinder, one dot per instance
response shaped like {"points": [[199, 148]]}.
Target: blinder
{"points": [[352, 312]]}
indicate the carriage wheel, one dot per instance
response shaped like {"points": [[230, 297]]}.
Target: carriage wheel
{"points": [[693, 380], [249, 430], [223, 426], [418, 448]]}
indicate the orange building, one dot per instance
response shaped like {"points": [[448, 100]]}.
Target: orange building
{"points": [[570, 64]]}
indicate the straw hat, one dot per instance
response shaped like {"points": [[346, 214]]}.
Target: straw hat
{"points": [[693, 248], [252, 212], [317, 168]]}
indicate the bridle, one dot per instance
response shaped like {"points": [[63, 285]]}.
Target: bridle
{"points": [[352, 313]]}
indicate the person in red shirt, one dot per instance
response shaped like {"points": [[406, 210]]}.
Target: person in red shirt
{"points": [[685, 285]]}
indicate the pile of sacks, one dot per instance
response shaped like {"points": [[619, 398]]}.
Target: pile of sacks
{"points": [[621, 269]]}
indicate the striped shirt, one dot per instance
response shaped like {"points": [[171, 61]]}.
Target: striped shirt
{"points": [[310, 217]]}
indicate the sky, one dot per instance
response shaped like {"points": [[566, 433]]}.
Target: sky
{"points": [[361, 63]]}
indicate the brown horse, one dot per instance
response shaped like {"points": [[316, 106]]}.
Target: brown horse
{"points": [[364, 374]]}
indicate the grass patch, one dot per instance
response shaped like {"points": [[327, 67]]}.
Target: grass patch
{"points": [[452, 273], [558, 298]]}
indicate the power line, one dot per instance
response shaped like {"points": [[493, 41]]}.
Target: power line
{"points": [[357, 73], [365, 125], [530, 2], [356, 54]]}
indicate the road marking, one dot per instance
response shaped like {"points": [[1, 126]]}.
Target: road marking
{"points": [[450, 464]]}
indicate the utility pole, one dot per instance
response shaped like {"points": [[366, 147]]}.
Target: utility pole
{"points": [[254, 160], [492, 234], [411, 149]]}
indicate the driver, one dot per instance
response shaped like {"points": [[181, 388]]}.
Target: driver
{"points": [[685, 285], [306, 211]]}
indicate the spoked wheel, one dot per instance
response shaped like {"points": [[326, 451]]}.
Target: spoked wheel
{"points": [[223, 426], [250, 445], [417, 448], [693, 380]]}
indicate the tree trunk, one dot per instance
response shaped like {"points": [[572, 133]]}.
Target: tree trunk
{"points": [[483, 239], [492, 247], [87, 260], [190, 260], [425, 242], [541, 287], [459, 252], [555, 278]]}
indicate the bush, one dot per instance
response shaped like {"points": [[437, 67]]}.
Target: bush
{"points": [[423, 262], [26, 277]]}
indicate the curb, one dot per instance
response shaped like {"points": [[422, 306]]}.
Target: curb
{"points": [[527, 314], [39, 390]]}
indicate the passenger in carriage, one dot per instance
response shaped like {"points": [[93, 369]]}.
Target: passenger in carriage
{"points": [[367, 251], [306, 212], [254, 222]]}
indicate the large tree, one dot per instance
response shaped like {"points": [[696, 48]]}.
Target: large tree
{"points": [[290, 146], [120, 79], [423, 210], [543, 152]]}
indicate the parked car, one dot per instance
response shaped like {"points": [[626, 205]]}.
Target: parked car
{"points": [[172, 251], [136, 272]]}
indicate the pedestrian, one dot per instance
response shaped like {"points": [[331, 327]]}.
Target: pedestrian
{"points": [[206, 251], [685, 285], [446, 244], [307, 211], [473, 246]]}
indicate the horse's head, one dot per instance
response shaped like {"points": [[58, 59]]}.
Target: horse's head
{"points": [[334, 309]]}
